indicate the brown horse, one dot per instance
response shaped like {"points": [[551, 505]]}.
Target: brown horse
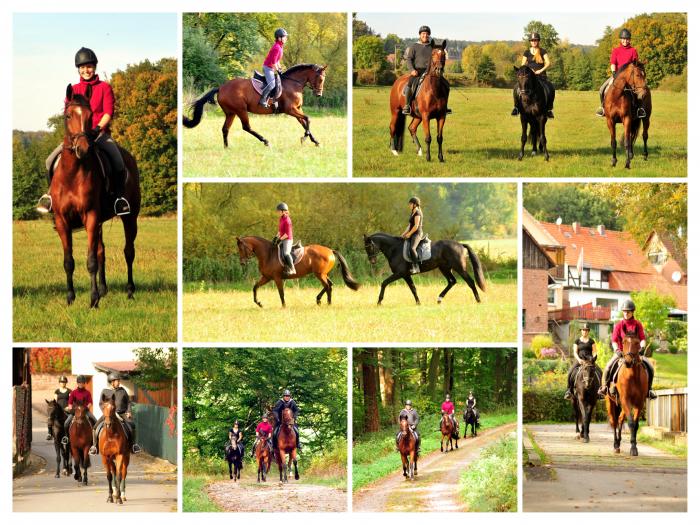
{"points": [[317, 260], [115, 452], [408, 449], [80, 438], [79, 199], [448, 430], [632, 386], [286, 445], [629, 84], [264, 459], [237, 98], [429, 103]]}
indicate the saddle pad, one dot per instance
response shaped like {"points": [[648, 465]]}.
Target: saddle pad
{"points": [[424, 250], [297, 253], [259, 85]]}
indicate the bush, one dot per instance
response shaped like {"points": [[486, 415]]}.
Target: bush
{"points": [[540, 342], [366, 77], [675, 330], [200, 61], [491, 483], [676, 83], [544, 401], [386, 77], [528, 354], [681, 344]]}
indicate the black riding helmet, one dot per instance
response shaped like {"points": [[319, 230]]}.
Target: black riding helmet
{"points": [[628, 306], [81, 379], [63, 379], [85, 56], [625, 33], [534, 36], [112, 376], [281, 32], [423, 29], [282, 206], [414, 200]]}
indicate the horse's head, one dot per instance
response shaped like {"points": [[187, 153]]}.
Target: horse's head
{"points": [[437, 59], [588, 373], [77, 116], [109, 411], [53, 407], [403, 425], [371, 249], [245, 251], [287, 417], [234, 442], [317, 80], [635, 78], [630, 349], [525, 78], [79, 411]]}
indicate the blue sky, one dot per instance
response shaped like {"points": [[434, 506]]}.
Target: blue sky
{"points": [[44, 47]]}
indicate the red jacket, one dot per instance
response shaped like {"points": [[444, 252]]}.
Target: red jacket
{"points": [[80, 395], [286, 227], [624, 326], [101, 100], [623, 55], [448, 407], [274, 55], [263, 429]]}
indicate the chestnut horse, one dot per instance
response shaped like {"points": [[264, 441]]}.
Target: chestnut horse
{"points": [[80, 438], [632, 386], [408, 449], [79, 199], [317, 260], [264, 459], [115, 452], [430, 103], [630, 83], [448, 432], [237, 98], [286, 445]]}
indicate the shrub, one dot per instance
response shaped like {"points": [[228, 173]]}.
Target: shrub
{"points": [[681, 344], [540, 342], [544, 401], [491, 483], [366, 77], [386, 77], [528, 353]]}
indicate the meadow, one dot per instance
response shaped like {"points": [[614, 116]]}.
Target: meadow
{"points": [[481, 139]]}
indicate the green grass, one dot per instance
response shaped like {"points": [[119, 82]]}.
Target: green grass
{"points": [[481, 139], [204, 155], [230, 314], [491, 483], [374, 455], [671, 370], [666, 445], [39, 305], [194, 495], [544, 458]]}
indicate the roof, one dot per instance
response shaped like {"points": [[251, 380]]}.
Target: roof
{"points": [[650, 281], [552, 263], [678, 261], [538, 234], [116, 366]]}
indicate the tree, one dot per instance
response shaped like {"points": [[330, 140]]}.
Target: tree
{"points": [[486, 71], [369, 360], [368, 53], [157, 366], [503, 59], [471, 57], [652, 310], [360, 28], [392, 43], [578, 70], [200, 61], [549, 38]]}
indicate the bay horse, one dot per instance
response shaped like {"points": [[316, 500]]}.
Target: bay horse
{"points": [[470, 419], [429, 103], [447, 256], [115, 451], [237, 98], [80, 439], [632, 386], [448, 430], [629, 84], [263, 457], [532, 106], [79, 199], [235, 461], [586, 387], [58, 417], [317, 260], [286, 445], [408, 449]]}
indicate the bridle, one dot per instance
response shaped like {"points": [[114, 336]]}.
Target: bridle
{"points": [[437, 65], [372, 250], [631, 86], [74, 137], [245, 252]]}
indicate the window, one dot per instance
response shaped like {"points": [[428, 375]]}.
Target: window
{"points": [[551, 296], [657, 257]]}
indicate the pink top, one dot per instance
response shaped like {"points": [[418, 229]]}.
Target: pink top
{"points": [[274, 55], [263, 428], [624, 326], [623, 55], [101, 100], [448, 407], [286, 226], [80, 395]]}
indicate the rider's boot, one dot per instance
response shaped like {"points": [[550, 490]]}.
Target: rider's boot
{"points": [[515, 112], [121, 205], [95, 444], [415, 268], [550, 114], [568, 394], [641, 113], [263, 101], [651, 394]]}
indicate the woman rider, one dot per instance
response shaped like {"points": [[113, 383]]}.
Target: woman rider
{"points": [[237, 434], [272, 65], [262, 432], [82, 396], [620, 56], [60, 395], [471, 403], [414, 231], [102, 105], [536, 59], [286, 237], [584, 350]]}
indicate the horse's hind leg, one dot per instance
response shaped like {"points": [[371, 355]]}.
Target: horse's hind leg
{"points": [[327, 288], [451, 281], [543, 138], [412, 128], [230, 469], [470, 282], [412, 287], [226, 127], [627, 124], [245, 122], [296, 470], [102, 286], [440, 126], [645, 136], [130, 232]]}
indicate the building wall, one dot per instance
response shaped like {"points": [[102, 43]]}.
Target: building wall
{"points": [[534, 303], [578, 297]]}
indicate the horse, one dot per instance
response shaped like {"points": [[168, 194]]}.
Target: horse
{"points": [[286, 444], [448, 430], [632, 385], [629, 83], [317, 260], [430, 103], [80, 439], [58, 417], [585, 398], [235, 461], [447, 256], [408, 449], [115, 451], [264, 459], [532, 106], [79, 199], [470, 418], [237, 97]]}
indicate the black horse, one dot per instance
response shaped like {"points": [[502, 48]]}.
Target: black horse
{"points": [[471, 418], [532, 106], [447, 256], [57, 417], [235, 460], [586, 385]]}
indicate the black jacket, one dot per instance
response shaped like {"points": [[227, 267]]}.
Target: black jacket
{"points": [[418, 56], [281, 405], [122, 402]]}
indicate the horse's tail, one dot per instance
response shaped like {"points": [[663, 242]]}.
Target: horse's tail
{"points": [[350, 281], [198, 108], [478, 269], [399, 131]]}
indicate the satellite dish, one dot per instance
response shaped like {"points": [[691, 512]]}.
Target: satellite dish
{"points": [[676, 276], [559, 221]]}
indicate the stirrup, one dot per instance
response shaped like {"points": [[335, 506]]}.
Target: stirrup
{"points": [[406, 110], [126, 210], [641, 113], [49, 437], [64, 440], [515, 112], [135, 448], [600, 112], [448, 111], [263, 102], [568, 395], [93, 450], [44, 204], [550, 113], [415, 268], [651, 395]]}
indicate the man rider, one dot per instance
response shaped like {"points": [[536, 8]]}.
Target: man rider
{"points": [[262, 432], [235, 432], [418, 56], [411, 414], [619, 57], [122, 404], [449, 408], [285, 402], [82, 396]]}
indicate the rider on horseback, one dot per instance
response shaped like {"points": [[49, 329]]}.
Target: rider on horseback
{"points": [[628, 324], [272, 65], [411, 414], [237, 434], [414, 231], [286, 237], [122, 404], [448, 408], [60, 395], [80, 395], [102, 105], [285, 402], [418, 56], [619, 57], [536, 59], [584, 350], [262, 432], [471, 403]]}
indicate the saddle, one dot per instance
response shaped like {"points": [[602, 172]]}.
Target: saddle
{"points": [[423, 249], [106, 169], [297, 253], [259, 82], [125, 426]]}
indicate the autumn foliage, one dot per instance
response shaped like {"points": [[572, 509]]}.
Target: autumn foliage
{"points": [[50, 361]]}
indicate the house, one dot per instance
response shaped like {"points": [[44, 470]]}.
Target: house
{"points": [[536, 279]]}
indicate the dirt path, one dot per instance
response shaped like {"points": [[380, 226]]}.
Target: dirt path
{"points": [[591, 477], [151, 484], [435, 487]]}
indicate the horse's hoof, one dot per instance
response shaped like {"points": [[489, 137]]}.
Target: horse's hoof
{"points": [[267, 144], [417, 303], [102, 291], [85, 482], [617, 451], [296, 476], [439, 300], [119, 501], [633, 451], [70, 298], [317, 144], [57, 476], [533, 154], [546, 158], [110, 499], [395, 153], [627, 165], [613, 163], [420, 152], [586, 440], [578, 437], [645, 157], [441, 159]]}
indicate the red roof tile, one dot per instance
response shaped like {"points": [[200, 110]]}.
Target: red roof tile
{"points": [[118, 366]]}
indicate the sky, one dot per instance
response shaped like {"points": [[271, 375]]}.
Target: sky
{"points": [[44, 47], [578, 28]]}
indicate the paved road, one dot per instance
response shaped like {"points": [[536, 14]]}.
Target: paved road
{"points": [[591, 477]]}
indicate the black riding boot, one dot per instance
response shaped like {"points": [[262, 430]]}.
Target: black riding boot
{"points": [[516, 101], [121, 205], [289, 266], [408, 93], [650, 370]]}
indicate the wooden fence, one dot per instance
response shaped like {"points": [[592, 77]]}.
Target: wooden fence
{"points": [[669, 411]]}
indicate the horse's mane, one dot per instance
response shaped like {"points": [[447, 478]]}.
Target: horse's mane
{"points": [[385, 236], [300, 67], [79, 100]]}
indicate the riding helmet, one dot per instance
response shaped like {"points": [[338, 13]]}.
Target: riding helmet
{"points": [[625, 33], [424, 29], [447, 397], [112, 376], [63, 379], [585, 326], [414, 200], [281, 32], [286, 393], [85, 56], [408, 403], [628, 306], [81, 379], [264, 416], [534, 36], [282, 206]]}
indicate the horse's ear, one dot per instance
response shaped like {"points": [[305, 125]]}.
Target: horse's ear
{"points": [[432, 42], [324, 67], [47, 401], [69, 92], [516, 68], [444, 44], [364, 236]]}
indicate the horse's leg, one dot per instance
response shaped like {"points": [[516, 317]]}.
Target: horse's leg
{"points": [[101, 264], [86, 459], [305, 121], [412, 286], [613, 141], [428, 137], [118, 478], [294, 460], [245, 122], [645, 135], [442, 440], [280, 289], [470, 282], [440, 125], [66, 236], [385, 282], [110, 497], [627, 124], [543, 137], [403, 463], [633, 423], [412, 128], [587, 423], [523, 136], [392, 131], [130, 231], [326, 288], [227, 125], [263, 280], [230, 468], [91, 228], [57, 449], [451, 281]]}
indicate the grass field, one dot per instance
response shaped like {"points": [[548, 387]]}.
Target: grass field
{"points": [[204, 155], [481, 139], [39, 307], [671, 370], [230, 314]]}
